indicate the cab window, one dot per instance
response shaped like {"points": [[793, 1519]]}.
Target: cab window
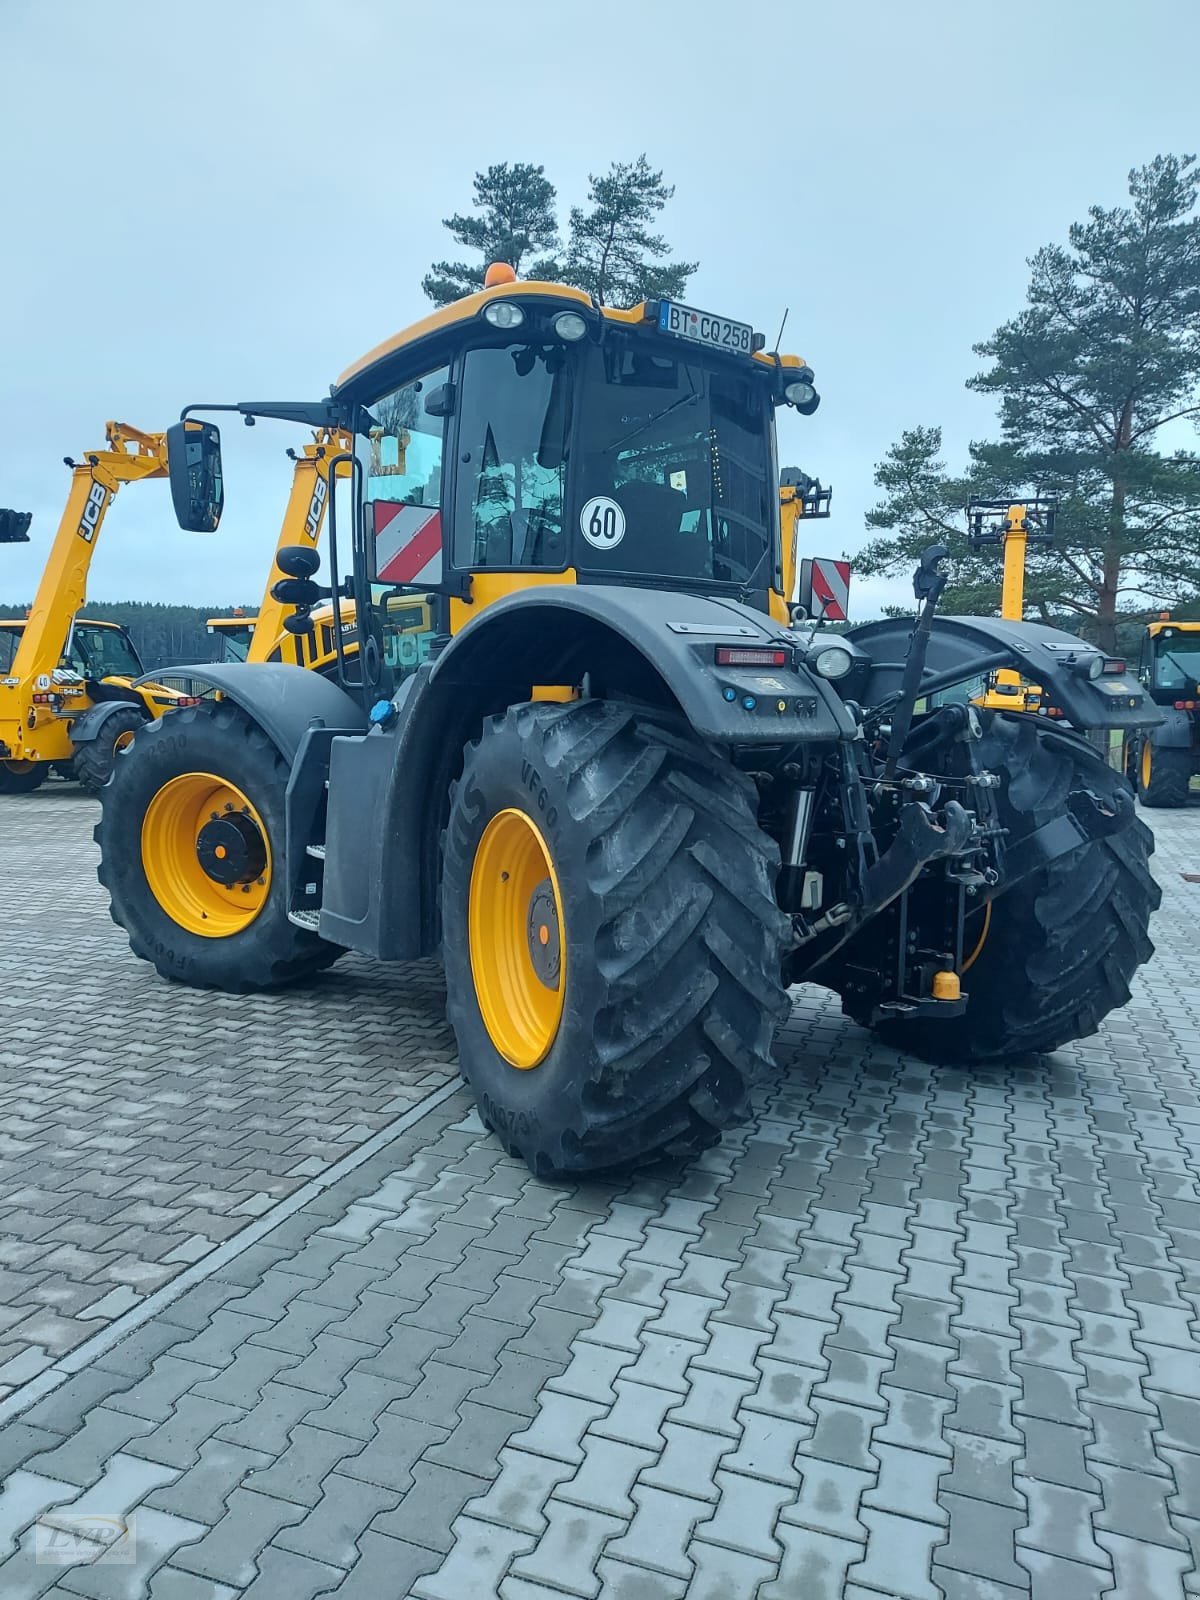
{"points": [[405, 445], [10, 638], [514, 422]]}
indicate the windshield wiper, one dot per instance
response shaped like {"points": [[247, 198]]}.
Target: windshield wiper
{"points": [[1193, 677], [683, 400]]}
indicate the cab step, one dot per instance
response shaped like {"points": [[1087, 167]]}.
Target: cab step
{"points": [[309, 920], [317, 850]]}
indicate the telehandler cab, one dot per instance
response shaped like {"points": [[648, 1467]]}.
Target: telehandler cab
{"points": [[1164, 760], [71, 691], [626, 798]]}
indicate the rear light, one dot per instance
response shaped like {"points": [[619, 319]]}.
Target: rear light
{"points": [[748, 656], [1112, 668], [43, 699], [188, 700], [1180, 705]]}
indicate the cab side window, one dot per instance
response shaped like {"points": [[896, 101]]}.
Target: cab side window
{"points": [[406, 445], [514, 421]]}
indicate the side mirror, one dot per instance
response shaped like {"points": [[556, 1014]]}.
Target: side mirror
{"points": [[194, 466], [439, 402]]}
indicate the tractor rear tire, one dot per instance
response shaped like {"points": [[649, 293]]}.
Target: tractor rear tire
{"points": [[22, 777], [257, 947], [1061, 945], [1164, 776], [657, 906], [95, 760]]}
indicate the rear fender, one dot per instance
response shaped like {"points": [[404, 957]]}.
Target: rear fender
{"points": [[1042, 655]]}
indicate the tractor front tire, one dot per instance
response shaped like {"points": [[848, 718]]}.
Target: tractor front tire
{"points": [[95, 760], [1057, 951], [1164, 775], [191, 839], [22, 777], [612, 945]]}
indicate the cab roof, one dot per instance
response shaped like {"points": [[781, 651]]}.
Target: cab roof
{"points": [[460, 312], [80, 622], [1155, 628]]}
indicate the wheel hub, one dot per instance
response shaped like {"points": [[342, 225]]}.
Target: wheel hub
{"points": [[543, 935], [231, 849]]}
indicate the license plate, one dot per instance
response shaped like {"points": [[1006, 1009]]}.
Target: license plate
{"points": [[719, 333]]}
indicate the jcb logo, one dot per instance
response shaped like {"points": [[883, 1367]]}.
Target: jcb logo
{"points": [[316, 509], [93, 511]]}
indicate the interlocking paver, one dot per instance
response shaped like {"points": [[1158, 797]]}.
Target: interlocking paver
{"points": [[914, 1331]]}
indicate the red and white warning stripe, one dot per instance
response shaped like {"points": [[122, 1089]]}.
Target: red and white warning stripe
{"points": [[825, 588], [408, 543]]}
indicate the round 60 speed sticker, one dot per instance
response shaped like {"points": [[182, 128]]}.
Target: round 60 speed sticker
{"points": [[602, 522]]}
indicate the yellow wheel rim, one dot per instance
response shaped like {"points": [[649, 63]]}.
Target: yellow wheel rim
{"points": [[1147, 763], [206, 855], [123, 740], [517, 939]]}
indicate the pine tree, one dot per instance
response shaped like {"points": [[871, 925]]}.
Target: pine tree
{"points": [[517, 219], [1104, 357], [612, 253]]}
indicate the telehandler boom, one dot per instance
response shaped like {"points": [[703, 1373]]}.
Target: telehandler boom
{"points": [[51, 713]]}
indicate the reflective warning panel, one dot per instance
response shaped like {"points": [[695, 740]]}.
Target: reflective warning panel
{"points": [[824, 589], [408, 542]]}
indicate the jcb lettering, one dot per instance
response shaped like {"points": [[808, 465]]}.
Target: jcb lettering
{"points": [[93, 511], [316, 509]]}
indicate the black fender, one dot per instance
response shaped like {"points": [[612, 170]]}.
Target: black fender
{"points": [[285, 701], [1177, 731], [555, 633], [89, 724], [1058, 661], [655, 645]]}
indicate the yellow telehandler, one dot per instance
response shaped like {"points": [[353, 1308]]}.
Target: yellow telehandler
{"points": [[70, 695], [629, 797]]}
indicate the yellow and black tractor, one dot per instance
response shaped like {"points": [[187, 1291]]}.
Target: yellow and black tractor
{"points": [[70, 689], [628, 797], [1164, 760]]}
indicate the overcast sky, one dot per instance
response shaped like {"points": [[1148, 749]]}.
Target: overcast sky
{"points": [[230, 200]]}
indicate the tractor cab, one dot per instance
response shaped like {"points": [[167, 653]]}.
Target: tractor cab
{"points": [[526, 436]]}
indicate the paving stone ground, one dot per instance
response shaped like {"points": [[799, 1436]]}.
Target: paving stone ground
{"points": [[142, 1123], [913, 1333]]}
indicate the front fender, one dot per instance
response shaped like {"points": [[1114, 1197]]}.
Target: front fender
{"points": [[88, 724], [1175, 732], [1040, 654], [285, 701]]}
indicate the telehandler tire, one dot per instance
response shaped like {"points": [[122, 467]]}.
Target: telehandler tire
{"points": [[22, 777], [612, 946], [95, 760], [189, 834], [1164, 777], [1057, 951]]}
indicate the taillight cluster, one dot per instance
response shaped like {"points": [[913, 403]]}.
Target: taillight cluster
{"points": [[1186, 705]]}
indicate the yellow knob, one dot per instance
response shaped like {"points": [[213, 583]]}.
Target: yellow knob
{"points": [[946, 986]]}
